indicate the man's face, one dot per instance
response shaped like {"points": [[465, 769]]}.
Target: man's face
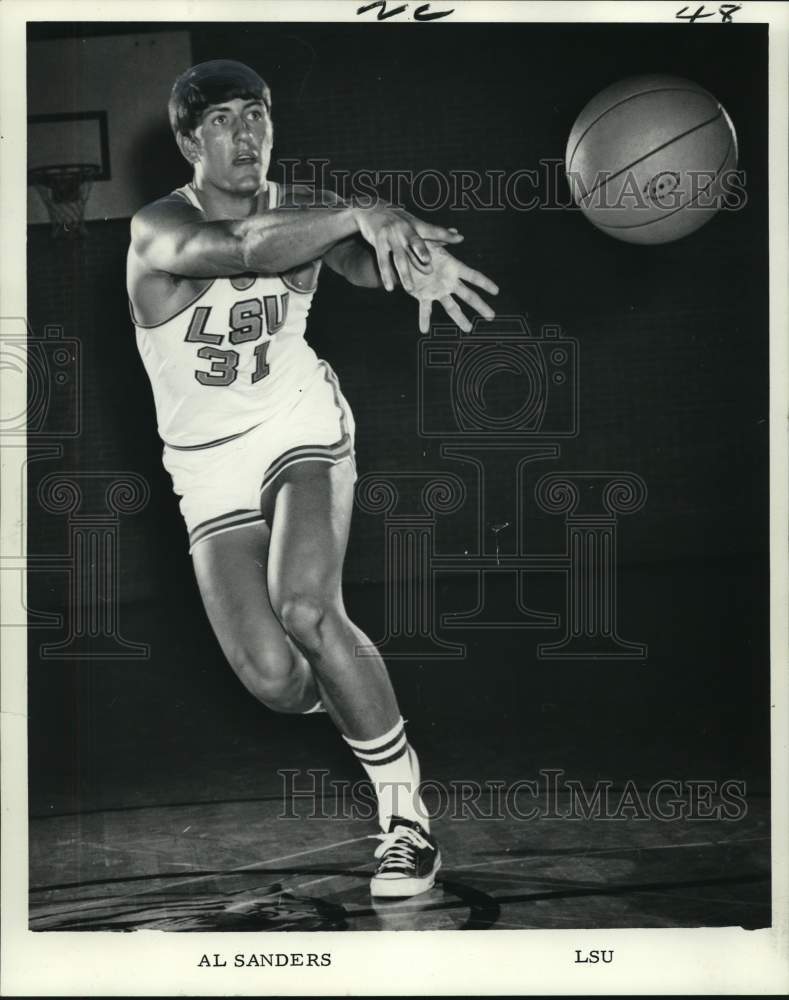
{"points": [[233, 145]]}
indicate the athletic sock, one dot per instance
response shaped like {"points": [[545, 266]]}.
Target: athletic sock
{"points": [[392, 767]]}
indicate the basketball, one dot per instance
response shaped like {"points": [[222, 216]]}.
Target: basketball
{"points": [[648, 158]]}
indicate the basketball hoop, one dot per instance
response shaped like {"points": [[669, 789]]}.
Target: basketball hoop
{"points": [[64, 188]]}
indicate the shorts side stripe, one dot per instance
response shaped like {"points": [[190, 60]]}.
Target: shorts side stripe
{"points": [[308, 453], [225, 522], [331, 378], [330, 453]]}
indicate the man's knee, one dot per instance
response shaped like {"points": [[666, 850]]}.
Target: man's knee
{"points": [[303, 617], [272, 678]]}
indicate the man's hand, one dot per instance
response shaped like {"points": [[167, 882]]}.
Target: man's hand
{"points": [[450, 277], [394, 231]]}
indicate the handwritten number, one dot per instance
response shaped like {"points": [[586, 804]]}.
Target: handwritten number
{"points": [[725, 10], [692, 17]]}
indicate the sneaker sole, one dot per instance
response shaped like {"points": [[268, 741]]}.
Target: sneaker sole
{"points": [[403, 887]]}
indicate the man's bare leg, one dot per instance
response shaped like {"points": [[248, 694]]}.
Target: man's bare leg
{"points": [[231, 570], [309, 533]]}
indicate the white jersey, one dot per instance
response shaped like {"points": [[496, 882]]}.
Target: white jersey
{"points": [[232, 358]]}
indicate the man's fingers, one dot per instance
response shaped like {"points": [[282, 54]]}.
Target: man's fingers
{"points": [[382, 250], [403, 267], [471, 298], [478, 278], [430, 232], [420, 253], [425, 308], [455, 313]]}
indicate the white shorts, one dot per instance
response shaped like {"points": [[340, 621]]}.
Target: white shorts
{"points": [[220, 486]]}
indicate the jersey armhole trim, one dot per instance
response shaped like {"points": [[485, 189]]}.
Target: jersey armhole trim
{"points": [[302, 291], [274, 189], [153, 326]]}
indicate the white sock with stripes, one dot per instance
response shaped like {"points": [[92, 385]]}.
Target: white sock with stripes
{"points": [[392, 767]]}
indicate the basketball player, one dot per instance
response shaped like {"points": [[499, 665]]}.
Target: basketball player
{"points": [[258, 437]]}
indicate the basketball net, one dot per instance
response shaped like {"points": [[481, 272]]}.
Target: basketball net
{"points": [[65, 191]]}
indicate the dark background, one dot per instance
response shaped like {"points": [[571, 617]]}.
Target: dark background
{"points": [[674, 387]]}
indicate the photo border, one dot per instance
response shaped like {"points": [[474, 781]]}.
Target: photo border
{"points": [[671, 960]]}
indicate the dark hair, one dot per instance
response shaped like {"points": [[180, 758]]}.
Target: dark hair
{"points": [[212, 83]]}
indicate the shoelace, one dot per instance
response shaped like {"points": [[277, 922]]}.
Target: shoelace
{"points": [[397, 847]]}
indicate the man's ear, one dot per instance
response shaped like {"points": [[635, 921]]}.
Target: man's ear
{"points": [[189, 146]]}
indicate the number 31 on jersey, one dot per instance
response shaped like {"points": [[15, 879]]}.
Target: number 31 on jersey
{"points": [[247, 321]]}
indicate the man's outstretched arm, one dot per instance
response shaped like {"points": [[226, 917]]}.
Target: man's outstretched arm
{"points": [[172, 237]]}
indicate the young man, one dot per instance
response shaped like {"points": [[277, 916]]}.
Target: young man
{"points": [[258, 437]]}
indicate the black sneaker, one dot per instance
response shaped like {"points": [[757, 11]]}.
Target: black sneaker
{"points": [[409, 860]]}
